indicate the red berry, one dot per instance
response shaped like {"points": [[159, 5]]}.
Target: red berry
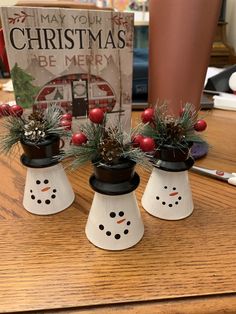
{"points": [[5, 110], [147, 144], [78, 139], [136, 140], [147, 115], [66, 124], [96, 115], [200, 125], [66, 116], [16, 110]]}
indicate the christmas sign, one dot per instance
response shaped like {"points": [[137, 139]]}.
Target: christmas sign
{"points": [[77, 59]]}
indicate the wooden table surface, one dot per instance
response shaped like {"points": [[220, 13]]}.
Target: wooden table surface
{"points": [[186, 266]]}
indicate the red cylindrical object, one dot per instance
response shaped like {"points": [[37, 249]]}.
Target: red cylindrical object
{"points": [[180, 42]]}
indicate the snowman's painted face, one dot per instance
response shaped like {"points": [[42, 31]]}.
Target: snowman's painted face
{"points": [[170, 198], [117, 219], [43, 192]]}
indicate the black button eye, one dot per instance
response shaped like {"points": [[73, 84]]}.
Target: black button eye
{"points": [[112, 214], [121, 214], [38, 182], [174, 189], [165, 187], [46, 181]]}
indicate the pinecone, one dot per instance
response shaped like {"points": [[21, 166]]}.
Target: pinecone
{"points": [[34, 128], [37, 116], [174, 131], [110, 148]]}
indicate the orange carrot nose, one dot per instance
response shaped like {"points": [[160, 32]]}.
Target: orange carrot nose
{"points": [[173, 193], [46, 189], [120, 221]]}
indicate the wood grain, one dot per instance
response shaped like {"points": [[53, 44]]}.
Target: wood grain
{"points": [[196, 305], [46, 263]]}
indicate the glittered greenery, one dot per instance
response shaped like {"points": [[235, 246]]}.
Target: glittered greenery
{"points": [[105, 145], [174, 131], [35, 128]]}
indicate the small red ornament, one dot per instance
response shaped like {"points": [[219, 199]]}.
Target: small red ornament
{"points": [[66, 116], [200, 125], [96, 115], [5, 110], [16, 110], [147, 115], [147, 144], [137, 139], [66, 124], [78, 139]]}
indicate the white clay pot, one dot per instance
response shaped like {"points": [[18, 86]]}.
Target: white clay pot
{"points": [[114, 221], [47, 188], [168, 193]]}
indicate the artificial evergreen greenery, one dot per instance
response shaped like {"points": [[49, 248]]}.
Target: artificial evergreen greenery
{"points": [[105, 146], [34, 128], [178, 131]]}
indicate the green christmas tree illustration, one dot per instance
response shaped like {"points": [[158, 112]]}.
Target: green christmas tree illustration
{"points": [[25, 91]]}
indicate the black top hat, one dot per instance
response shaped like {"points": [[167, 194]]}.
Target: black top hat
{"points": [[42, 154], [115, 179], [175, 159]]}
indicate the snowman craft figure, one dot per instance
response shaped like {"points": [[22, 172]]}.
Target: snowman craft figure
{"points": [[47, 189], [114, 221], [168, 193]]}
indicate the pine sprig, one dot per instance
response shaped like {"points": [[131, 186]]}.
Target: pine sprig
{"points": [[34, 128], [174, 131], [13, 130], [79, 155], [86, 152], [52, 117], [139, 157], [97, 136]]}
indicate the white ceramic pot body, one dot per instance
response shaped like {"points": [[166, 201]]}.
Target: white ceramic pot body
{"points": [[168, 195], [47, 190], [114, 222]]}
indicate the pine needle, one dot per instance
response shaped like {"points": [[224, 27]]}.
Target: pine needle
{"points": [[15, 129], [169, 130], [90, 150]]}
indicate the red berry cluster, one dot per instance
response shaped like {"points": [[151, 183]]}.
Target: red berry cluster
{"points": [[148, 115], [7, 110], [96, 116], [146, 144], [66, 121]]}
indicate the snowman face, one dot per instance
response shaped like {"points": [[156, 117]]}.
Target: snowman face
{"points": [[43, 193], [116, 226], [170, 197]]}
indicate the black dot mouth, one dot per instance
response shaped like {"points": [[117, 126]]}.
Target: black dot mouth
{"points": [[108, 233], [169, 204]]}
